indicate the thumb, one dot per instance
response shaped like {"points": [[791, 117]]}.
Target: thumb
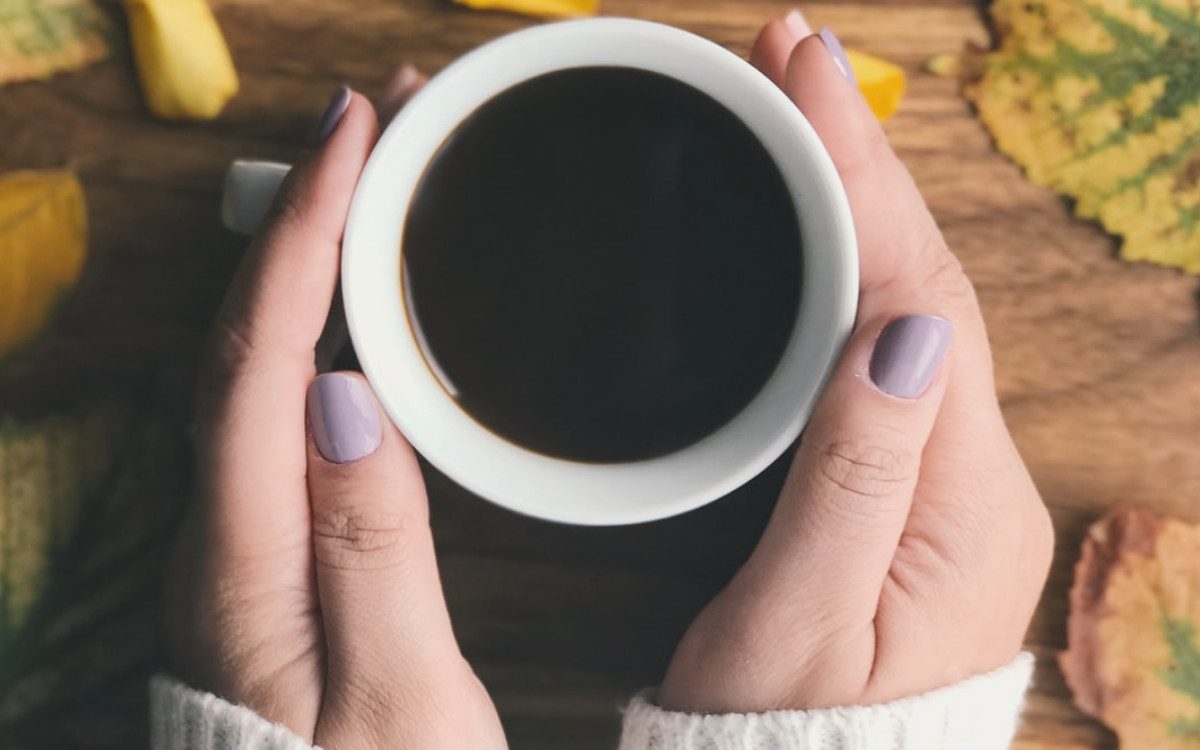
{"points": [[846, 501], [377, 580]]}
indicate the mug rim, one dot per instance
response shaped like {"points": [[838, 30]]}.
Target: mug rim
{"points": [[558, 489]]}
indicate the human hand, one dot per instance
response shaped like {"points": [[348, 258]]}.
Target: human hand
{"points": [[305, 585], [909, 545]]}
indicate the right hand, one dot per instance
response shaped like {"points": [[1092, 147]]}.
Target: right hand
{"points": [[909, 545]]}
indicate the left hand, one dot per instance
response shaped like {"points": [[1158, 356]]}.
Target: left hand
{"points": [[305, 582], [909, 544]]}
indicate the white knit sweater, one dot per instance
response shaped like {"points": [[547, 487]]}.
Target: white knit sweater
{"points": [[977, 714]]}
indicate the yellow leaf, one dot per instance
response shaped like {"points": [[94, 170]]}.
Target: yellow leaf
{"points": [[541, 8], [881, 82], [182, 58], [43, 242], [1133, 658], [39, 38], [1100, 100]]}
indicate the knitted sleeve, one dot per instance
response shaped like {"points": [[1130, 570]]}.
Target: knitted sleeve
{"points": [[980, 713], [977, 714], [185, 719]]}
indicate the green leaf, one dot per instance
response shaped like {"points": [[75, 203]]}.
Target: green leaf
{"points": [[41, 37], [1183, 675], [93, 492], [1100, 100], [1185, 728]]}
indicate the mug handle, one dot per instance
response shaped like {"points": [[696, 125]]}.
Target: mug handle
{"points": [[250, 189]]}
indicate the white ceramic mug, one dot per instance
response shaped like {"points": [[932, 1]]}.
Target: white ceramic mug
{"points": [[490, 466]]}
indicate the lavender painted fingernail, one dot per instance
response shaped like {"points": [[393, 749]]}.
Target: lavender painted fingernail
{"points": [[333, 113], [908, 354], [838, 52], [344, 418]]}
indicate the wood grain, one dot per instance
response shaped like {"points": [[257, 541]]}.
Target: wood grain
{"points": [[1097, 361]]}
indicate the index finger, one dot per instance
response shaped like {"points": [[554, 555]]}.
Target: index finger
{"points": [[279, 299], [904, 261], [253, 446], [905, 266]]}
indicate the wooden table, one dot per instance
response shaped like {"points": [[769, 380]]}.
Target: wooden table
{"points": [[1098, 361]]}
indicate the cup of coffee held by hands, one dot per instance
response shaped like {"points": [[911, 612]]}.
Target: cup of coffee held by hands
{"points": [[596, 271]]}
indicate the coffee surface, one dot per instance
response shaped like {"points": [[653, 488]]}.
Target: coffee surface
{"points": [[604, 264]]}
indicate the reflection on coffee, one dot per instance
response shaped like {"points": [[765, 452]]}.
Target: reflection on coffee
{"points": [[604, 264]]}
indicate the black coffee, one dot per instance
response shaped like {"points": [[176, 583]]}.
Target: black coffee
{"points": [[605, 264]]}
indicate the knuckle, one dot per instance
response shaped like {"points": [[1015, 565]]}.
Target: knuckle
{"points": [[877, 147], [346, 537], [236, 346], [230, 346], [863, 162], [865, 467], [946, 282], [287, 210], [230, 354]]}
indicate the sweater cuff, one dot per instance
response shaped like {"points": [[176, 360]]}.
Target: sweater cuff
{"points": [[979, 713], [185, 719]]}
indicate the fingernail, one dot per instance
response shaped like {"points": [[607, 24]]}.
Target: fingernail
{"points": [[344, 418], [333, 113], [908, 354], [797, 24], [401, 87], [838, 52], [404, 82]]}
